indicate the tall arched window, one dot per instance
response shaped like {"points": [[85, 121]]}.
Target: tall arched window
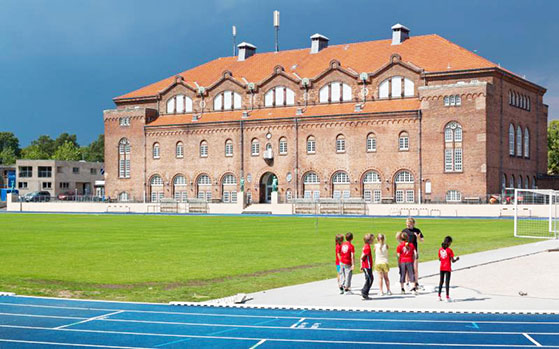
{"points": [[453, 153], [311, 178], [123, 197], [519, 141], [179, 188], [283, 146], [519, 184], [227, 100], [279, 96], [255, 147], [403, 141], [396, 87], [228, 147], [311, 145], [526, 143], [527, 182], [504, 182], [229, 188], [340, 178], [204, 149], [511, 181], [204, 184], [179, 104], [340, 144], [335, 92], [340, 185], [510, 97], [404, 184], [311, 186], [371, 142], [179, 150], [511, 139], [156, 188], [124, 158], [156, 151], [404, 177]]}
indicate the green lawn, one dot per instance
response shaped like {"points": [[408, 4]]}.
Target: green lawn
{"points": [[194, 258]]}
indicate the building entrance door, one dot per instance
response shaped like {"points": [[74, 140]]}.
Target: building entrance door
{"points": [[266, 187]]}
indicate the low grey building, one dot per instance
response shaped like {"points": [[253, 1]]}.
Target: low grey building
{"points": [[57, 177]]}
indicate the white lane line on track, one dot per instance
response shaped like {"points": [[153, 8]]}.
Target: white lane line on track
{"points": [[45, 316], [298, 322], [258, 344], [67, 344], [292, 317], [531, 339], [282, 340], [100, 317]]}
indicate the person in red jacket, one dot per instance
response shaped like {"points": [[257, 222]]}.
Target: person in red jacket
{"points": [[339, 241], [347, 263], [406, 254], [446, 256]]}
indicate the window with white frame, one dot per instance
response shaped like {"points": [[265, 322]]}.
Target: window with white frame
{"points": [[526, 143], [204, 180], [371, 142], [279, 96], [179, 150], [288, 195], [404, 141], [255, 147], [124, 158], [229, 179], [453, 147], [377, 196], [156, 180], [124, 121], [179, 180], [123, 197], [340, 178], [227, 100], [399, 196], [283, 146], [228, 147], [156, 186], [371, 177], [156, 151], [311, 178], [311, 145], [511, 139], [179, 104], [204, 149], [340, 144], [179, 188], [453, 101], [404, 177], [453, 196], [396, 87], [519, 139], [410, 198], [335, 92]]}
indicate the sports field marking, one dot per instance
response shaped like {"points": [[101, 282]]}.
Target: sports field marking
{"points": [[283, 340], [532, 339], [67, 344], [298, 322], [289, 317], [257, 344], [100, 317]]}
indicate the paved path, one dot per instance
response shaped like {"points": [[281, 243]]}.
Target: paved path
{"points": [[484, 281]]}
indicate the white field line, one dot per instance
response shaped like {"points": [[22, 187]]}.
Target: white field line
{"points": [[258, 344], [298, 322], [532, 339], [290, 317], [282, 340], [100, 317], [44, 316], [67, 344]]}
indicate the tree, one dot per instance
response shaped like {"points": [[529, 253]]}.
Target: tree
{"points": [[95, 151], [65, 137], [45, 144], [8, 141], [553, 147], [67, 152], [34, 152], [8, 156]]}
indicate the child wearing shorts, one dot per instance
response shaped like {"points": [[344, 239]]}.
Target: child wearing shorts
{"points": [[339, 240], [381, 263], [406, 254]]}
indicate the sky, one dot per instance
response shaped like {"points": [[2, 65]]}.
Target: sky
{"points": [[62, 61]]}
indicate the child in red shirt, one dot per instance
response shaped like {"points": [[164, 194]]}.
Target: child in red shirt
{"points": [[406, 254], [446, 256], [347, 261], [367, 265], [339, 240]]}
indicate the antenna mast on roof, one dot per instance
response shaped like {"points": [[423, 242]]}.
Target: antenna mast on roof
{"points": [[234, 32], [276, 27]]}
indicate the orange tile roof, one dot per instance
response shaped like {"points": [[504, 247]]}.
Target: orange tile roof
{"points": [[286, 112], [429, 52]]}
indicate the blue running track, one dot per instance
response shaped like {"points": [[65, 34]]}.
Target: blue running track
{"points": [[34, 322]]}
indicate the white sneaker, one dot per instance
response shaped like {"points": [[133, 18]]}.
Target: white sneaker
{"points": [[389, 293], [381, 294]]}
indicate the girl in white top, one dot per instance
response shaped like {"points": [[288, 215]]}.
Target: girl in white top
{"points": [[381, 263]]}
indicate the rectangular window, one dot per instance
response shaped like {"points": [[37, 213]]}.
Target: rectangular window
{"points": [[25, 171], [233, 196], [249, 197], [458, 100], [408, 88], [409, 196], [177, 196], [316, 195], [376, 196], [446, 101], [45, 171], [452, 100], [311, 147], [337, 195], [208, 196], [290, 95], [47, 185], [153, 197], [279, 96], [228, 100], [340, 145], [383, 90], [404, 143], [201, 195], [371, 144], [346, 93], [124, 121], [283, 147], [448, 160], [226, 196], [368, 196], [93, 171], [345, 194], [323, 95], [269, 98], [399, 196], [237, 101], [121, 169], [64, 185], [458, 159], [335, 92], [22, 185], [204, 150], [288, 196], [184, 196], [75, 170], [396, 87], [127, 169], [255, 149], [229, 149], [307, 194], [59, 169]]}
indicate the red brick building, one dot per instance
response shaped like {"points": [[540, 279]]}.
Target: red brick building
{"points": [[409, 119]]}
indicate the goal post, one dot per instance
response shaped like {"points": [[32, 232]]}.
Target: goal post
{"points": [[535, 213]]}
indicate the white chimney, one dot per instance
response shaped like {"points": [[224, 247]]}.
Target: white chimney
{"points": [[399, 34], [245, 51], [318, 42]]}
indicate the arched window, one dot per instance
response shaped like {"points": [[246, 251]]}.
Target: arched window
{"points": [[511, 139], [123, 197], [404, 177], [204, 180], [534, 183], [510, 97], [204, 149], [453, 196], [519, 141], [227, 100], [156, 151], [204, 187], [311, 178], [228, 147], [279, 96], [179, 180], [156, 180], [179, 188], [335, 92], [519, 184], [124, 158], [340, 144], [404, 187], [229, 189], [527, 183], [255, 147], [504, 182], [156, 188], [511, 181], [179, 151], [229, 179], [526, 143], [372, 187], [311, 145], [453, 153], [529, 104], [403, 141], [179, 104], [283, 146], [340, 178], [392, 88], [371, 142], [371, 177]]}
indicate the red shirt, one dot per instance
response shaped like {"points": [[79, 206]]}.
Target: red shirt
{"points": [[406, 252], [345, 252], [338, 249], [367, 263], [445, 256]]}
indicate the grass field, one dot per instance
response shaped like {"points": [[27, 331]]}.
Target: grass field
{"points": [[195, 258]]}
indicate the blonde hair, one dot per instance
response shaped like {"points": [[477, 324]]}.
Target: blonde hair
{"points": [[399, 236], [410, 220], [380, 239]]}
